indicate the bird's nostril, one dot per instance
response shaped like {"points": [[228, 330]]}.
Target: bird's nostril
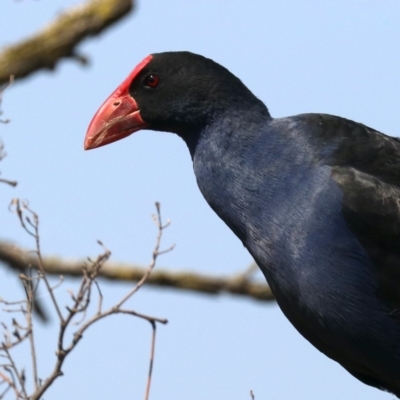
{"points": [[117, 103]]}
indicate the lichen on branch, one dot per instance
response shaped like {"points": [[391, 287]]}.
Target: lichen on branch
{"points": [[59, 38]]}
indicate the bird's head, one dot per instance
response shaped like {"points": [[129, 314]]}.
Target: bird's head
{"points": [[178, 92]]}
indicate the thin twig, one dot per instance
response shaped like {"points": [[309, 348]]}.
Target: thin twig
{"points": [[20, 208], [8, 182], [6, 86], [156, 253], [15, 370], [39, 255], [14, 343], [11, 385], [81, 301], [100, 303], [152, 350], [80, 304], [29, 321]]}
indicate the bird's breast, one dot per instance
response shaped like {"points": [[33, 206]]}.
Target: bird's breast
{"points": [[291, 222]]}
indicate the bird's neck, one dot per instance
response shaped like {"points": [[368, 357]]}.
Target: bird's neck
{"points": [[229, 160], [225, 123]]}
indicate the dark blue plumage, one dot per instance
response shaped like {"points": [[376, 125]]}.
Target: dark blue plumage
{"points": [[286, 208], [314, 198]]}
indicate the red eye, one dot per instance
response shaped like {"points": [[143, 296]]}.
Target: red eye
{"points": [[152, 81]]}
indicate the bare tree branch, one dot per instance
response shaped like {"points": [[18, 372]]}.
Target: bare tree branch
{"points": [[241, 285], [59, 39], [14, 378]]}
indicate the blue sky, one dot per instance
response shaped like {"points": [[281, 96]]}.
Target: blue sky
{"points": [[339, 58]]}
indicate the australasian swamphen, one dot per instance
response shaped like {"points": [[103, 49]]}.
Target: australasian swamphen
{"points": [[314, 198]]}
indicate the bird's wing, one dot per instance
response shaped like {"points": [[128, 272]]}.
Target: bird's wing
{"points": [[366, 166], [371, 208]]}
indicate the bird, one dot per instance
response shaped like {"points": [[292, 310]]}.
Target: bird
{"points": [[314, 198]]}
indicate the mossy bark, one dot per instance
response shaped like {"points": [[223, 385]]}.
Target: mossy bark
{"points": [[59, 39]]}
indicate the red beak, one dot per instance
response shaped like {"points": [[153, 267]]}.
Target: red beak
{"points": [[118, 117]]}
